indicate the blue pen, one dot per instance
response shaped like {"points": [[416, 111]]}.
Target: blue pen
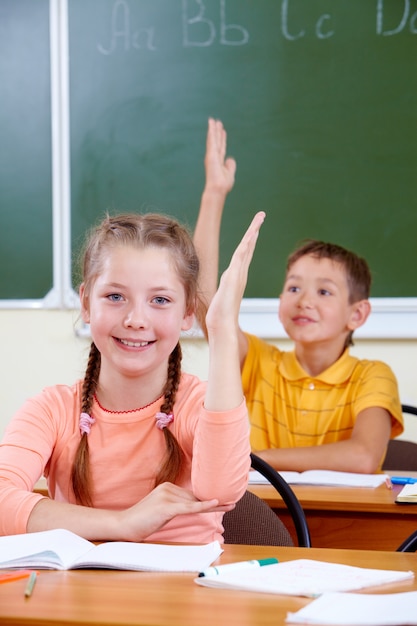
{"points": [[403, 480], [231, 567]]}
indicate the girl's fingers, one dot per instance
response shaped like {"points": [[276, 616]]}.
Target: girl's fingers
{"points": [[244, 252]]}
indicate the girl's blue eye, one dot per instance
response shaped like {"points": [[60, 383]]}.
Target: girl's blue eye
{"points": [[115, 297], [160, 300]]}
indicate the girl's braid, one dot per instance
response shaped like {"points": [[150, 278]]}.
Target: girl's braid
{"points": [[81, 475], [171, 465]]}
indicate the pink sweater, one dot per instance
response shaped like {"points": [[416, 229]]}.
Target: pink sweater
{"points": [[126, 449]]}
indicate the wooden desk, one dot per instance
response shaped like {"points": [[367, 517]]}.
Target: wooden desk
{"points": [[345, 517], [93, 597]]}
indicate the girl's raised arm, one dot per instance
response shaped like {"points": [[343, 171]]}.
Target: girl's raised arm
{"points": [[224, 387]]}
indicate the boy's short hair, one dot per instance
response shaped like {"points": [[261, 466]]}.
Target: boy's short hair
{"points": [[358, 274]]}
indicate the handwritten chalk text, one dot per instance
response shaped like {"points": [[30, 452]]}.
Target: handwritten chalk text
{"points": [[199, 30]]}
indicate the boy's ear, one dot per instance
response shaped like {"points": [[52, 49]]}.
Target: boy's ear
{"points": [[85, 314], [359, 314]]}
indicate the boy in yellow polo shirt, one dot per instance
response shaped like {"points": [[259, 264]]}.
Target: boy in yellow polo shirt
{"points": [[316, 406]]}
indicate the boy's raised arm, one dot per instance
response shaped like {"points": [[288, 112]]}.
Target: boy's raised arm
{"points": [[220, 178]]}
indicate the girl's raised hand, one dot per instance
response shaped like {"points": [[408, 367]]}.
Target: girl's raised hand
{"points": [[224, 309]]}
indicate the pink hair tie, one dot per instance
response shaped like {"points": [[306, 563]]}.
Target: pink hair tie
{"points": [[85, 423], [162, 420]]}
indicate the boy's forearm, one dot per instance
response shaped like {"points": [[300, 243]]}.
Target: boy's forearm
{"points": [[207, 237], [342, 456], [206, 241]]}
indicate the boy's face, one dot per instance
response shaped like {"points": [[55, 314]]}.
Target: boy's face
{"points": [[314, 304]]}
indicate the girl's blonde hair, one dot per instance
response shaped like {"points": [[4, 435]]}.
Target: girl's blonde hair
{"points": [[139, 231]]}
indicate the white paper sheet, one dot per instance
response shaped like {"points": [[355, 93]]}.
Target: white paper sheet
{"points": [[354, 609], [304, 577]]}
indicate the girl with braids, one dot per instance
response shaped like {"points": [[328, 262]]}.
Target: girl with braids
{"points": [[138, 450]]}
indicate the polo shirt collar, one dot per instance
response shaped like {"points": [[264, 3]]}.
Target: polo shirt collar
{"points": [[339, 371]]}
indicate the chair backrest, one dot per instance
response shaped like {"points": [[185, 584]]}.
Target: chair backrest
{"points": [[290, 499], [410, 544], [253, 522], [401, 454]]}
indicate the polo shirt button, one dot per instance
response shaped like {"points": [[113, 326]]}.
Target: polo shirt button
{"points": [[311, 386]]}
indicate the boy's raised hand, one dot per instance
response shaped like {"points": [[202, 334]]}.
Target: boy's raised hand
{"points": [[224, 309], [220, 171]]}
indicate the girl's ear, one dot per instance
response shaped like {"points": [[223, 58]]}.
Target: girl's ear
{"points": [[85, 313], [359, 314], [188, 321]]}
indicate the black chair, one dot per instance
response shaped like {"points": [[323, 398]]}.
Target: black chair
{"points": [[401, 454], [289, 497], [410, 544], [253, 522]]}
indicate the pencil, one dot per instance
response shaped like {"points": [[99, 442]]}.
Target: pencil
{"points": [[17, 575], [30, 585]]}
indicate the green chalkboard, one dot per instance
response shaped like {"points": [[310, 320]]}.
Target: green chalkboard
{"points": [[25, 153], [319, 98]]}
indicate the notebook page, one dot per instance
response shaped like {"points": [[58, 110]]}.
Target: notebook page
{"points": [[304, 577]]}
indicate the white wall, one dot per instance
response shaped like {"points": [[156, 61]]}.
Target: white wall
{"points": [[40, 348]]}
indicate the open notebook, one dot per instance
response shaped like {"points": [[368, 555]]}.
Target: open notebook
{"points": [[408, 494], [325, 477], [61, 549]]}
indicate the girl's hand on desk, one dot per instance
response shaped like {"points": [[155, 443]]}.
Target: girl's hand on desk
{"points": [[161, 505]]}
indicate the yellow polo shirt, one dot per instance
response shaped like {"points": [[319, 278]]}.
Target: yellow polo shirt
{"points": [[289, 408]]}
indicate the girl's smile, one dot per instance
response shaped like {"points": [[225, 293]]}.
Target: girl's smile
{"points": [[134, 344]]}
